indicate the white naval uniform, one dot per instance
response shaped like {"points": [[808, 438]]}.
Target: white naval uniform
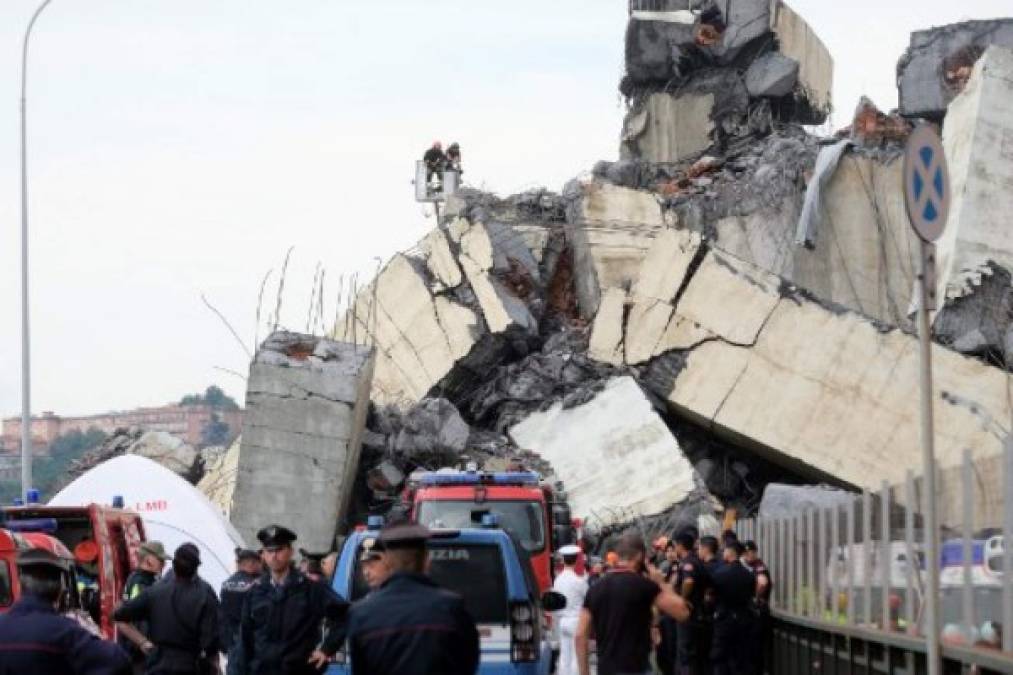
{"points": [[574, 588]]}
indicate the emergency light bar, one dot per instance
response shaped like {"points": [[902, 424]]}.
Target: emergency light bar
{"points": [[474, 478], [47, 525]]}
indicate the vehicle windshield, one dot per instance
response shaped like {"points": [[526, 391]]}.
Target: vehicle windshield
{"points": [[524, 520], [476, 572]]}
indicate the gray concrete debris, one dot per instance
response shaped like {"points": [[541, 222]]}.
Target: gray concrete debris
{"points": [[785, 501], [385, 477], [938, 62], [772, 75], [432, 427], [980, 322], [306, 404], [170, 451]]}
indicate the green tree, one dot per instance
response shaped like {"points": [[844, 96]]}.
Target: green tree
{"points": [[213, 396]]}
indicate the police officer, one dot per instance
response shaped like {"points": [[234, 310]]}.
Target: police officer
{"points": [[151, 559], [182, 616], [230, 610], [692, 583], [734, 587], [374, 566], [764, 585], [284, 612], [34, 638], [409, 625]]}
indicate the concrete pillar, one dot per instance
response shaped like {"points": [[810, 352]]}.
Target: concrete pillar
{"points": [[306, 404]]}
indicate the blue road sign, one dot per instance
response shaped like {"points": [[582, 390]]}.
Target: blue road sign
{"points": [[926, 183]]}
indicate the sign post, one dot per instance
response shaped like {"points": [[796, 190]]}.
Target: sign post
{"points": [[927, 197]]}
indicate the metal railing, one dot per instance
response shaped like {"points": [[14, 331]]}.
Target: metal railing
{"points": [[859, 566]]}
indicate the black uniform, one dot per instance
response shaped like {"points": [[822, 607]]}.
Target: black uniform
{"points": [[138, 582], [693, 651], [230, 612], [282, 625], [435, 162], [734, 587], [182, 616], [411, 626], [35, 639], [666, 653]]}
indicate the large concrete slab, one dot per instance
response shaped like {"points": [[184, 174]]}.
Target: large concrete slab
{"points": [[931, 72], [306, 405], [978, 139], [817, 388], [603, 449]]}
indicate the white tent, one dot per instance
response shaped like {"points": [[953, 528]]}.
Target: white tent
{"points": [[173, 510]]}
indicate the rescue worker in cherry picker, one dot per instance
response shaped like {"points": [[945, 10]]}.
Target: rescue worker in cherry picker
{"points": [[573, 587], [436, 162], [454, 158]]}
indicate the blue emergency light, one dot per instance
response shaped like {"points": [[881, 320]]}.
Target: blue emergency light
{"points": [[33, 496], [118, 502], [374, 523], [47, 525], [470, 478], [490, 520]]}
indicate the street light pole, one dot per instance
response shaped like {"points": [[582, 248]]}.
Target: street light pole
{"points": [[26, 383]]}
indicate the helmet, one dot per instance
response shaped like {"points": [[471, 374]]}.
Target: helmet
{"points": [[438, 145]]}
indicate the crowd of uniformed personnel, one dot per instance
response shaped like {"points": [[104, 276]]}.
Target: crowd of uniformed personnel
{"points": [[698, 611]]}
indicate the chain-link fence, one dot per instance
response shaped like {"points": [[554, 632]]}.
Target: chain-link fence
{"points": [[862, 564]]}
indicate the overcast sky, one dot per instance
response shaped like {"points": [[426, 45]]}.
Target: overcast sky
{"points": [[180, 147]]}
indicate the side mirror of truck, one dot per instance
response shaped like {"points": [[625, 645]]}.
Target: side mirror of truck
{"points": [[553, 601]]}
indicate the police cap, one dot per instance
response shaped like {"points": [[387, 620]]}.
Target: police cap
{"points": [[276, 536], [41, 558], [407, 535], [569, 549], [372, 549]]}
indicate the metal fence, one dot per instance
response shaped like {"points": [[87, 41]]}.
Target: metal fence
{"points": [[859, 565]]}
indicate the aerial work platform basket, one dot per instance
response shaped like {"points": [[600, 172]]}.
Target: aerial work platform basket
{"points": [[436, 190]]}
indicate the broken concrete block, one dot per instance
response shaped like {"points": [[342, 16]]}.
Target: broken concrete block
{"points": [[745, 22], [797, 40], [978, 139], [668, 128], [616, 456], [440, 260], [500, 308], [418, 337], [772, 75], [654, 48], [666, 264], [610, 229], [301, 436], [937, 63], [170, 451], [219, 481], [606, 342], [384, 477], [787, 501], [819, 389]]}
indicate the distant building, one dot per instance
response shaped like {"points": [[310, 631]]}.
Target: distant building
{"points": [[184, 421]]}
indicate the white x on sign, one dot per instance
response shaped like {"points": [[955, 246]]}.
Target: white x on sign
{"points": [[926, 183]]}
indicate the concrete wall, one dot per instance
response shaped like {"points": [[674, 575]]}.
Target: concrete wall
{"points": [[816, 67], [978, 138], [668, 128], [306, 403]]}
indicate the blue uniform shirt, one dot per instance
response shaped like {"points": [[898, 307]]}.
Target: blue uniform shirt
{"points": [[35, 639]]}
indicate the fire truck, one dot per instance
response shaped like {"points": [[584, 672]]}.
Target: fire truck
{"points": [[528, 508], [101, 540]]}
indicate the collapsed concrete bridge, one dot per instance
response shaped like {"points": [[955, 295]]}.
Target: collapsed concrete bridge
{"points": [[658, 336]]}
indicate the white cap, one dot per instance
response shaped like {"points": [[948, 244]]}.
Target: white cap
{"points": [[570, 549]]}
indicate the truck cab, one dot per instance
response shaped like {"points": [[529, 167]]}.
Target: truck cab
{"points": [[528, 508], [101, 540], [488, 569]]}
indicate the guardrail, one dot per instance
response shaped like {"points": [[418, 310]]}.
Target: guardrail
{"points": [[851, 576]]}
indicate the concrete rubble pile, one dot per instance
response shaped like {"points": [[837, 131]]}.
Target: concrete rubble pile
{"points": [[725, 308], [170, 451]]}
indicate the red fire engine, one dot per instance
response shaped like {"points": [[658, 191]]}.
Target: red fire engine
{"points": [[530, 509], [102, 541]]}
